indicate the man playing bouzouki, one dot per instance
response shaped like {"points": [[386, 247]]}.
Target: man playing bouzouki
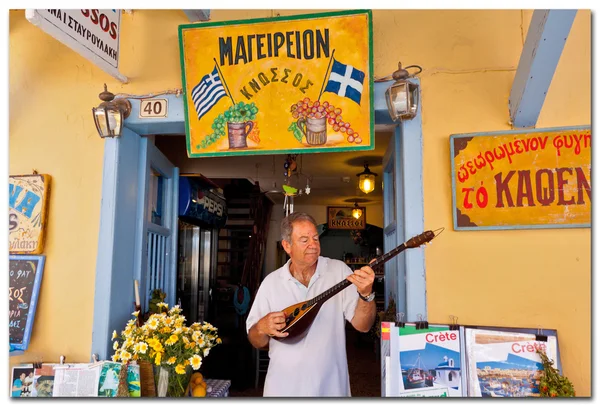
{"points": [[316, 365]]}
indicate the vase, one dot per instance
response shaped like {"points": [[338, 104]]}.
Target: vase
{"points": [[169, 383]]}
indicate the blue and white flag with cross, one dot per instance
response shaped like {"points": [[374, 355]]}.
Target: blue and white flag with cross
{"points": [[207, 93], [345, 81]]}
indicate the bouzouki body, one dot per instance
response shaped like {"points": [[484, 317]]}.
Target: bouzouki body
{"points": [[300, 316]]}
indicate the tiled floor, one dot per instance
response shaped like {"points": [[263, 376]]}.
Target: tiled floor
{"points": [[363, 367]]}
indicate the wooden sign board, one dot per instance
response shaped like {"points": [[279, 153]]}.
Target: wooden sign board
{"points": [[340, 218], [296, 84], [25, 278], [522, 179], [27, 213]]}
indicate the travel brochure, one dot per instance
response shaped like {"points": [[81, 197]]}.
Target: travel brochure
{"points": [[505, 364], [438, 361], [100, 379]]}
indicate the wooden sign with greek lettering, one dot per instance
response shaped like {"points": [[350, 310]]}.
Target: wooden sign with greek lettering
{"points": [[340, 218], [27, 213], [296, 84], [522, 179]]}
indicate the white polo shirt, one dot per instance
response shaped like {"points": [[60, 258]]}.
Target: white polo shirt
{"points": [[315, 366]]}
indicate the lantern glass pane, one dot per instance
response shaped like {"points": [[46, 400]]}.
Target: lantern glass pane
{"points": [[414, 99], [399, 98], [366, 183], [100, 118]]}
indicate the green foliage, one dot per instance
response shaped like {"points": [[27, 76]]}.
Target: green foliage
{"points": [[552, 384], [238, 113]]}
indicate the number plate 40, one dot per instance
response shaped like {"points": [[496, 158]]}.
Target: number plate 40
{"points": [[153, 108]]}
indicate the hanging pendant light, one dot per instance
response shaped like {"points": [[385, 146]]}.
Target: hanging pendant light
{"points": [[366, 180], [357, 211]]}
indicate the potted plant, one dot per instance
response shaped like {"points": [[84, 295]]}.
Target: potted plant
{"points": [[166, 342], [552, 383]]}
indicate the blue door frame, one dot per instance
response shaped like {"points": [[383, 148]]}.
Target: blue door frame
{"points": [[118, 260]]}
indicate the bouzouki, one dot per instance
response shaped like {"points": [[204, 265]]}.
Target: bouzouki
{"points": [[300, 316]]}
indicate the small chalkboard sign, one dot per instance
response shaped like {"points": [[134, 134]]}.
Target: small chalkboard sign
{"points": [[25, 278]]}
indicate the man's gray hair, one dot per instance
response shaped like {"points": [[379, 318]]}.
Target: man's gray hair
{"points": [[288, 222]]}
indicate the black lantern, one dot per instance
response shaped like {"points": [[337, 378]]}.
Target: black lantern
{"points": [[366, 180]]}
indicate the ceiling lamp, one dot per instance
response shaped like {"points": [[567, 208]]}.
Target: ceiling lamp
{"points": [[357, 211], [402, 96], [109, 115], [366, 180]]}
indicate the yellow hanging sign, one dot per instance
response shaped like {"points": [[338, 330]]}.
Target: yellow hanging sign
{"points": [[280, 85]]}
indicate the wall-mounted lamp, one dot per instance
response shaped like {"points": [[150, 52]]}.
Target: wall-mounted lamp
{"points": [[109, 115], [357, 211], [366, 180], [402, 97]]}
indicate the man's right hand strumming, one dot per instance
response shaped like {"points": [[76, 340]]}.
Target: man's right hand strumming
{"points": [[268, 326]]}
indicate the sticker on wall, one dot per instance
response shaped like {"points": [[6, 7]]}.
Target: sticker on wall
{"points": [[294, 84], [522, 179], [27, 213]]}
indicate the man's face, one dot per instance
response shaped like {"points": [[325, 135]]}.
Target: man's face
{"points": [[305, 248]]}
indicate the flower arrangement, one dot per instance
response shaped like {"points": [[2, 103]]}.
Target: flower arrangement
{"points": [[165, 341]]}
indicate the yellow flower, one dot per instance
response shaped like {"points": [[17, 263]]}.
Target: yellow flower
{"points": [[158, 347], [125, 356], [136, 313], [128, 342], [171, 360], [115, 358], [206, 351], [162, 304], [140, 348], [169, 321], [186, 362], [190, 345], [158, 358], [114, 334], [172, 340], [195, 361], [185, 340], [116, 345], [153, 324], [219, 341], [180, 369]]}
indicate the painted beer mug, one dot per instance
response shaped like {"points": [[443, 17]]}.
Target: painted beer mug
{"points": [[314, 129], [237, 133]]}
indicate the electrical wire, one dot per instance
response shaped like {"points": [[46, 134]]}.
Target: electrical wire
{"points": [[177, 92]]}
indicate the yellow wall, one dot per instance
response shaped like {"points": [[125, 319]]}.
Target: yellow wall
{"points": [[512, 278]]}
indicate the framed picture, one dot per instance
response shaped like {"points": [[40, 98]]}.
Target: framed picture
{"points": [[25, 278]]}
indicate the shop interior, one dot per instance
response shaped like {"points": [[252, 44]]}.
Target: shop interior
{"points": [[219, 263]]}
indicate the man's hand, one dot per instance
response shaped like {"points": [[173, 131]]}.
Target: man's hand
{"points": [[363, 280], [271, 324]]}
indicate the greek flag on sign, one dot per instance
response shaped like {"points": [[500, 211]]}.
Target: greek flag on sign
{"points": [[345, 81], [207, 93]]}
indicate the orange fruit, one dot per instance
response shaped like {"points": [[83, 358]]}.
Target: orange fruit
{"points": [[199, 391]]}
